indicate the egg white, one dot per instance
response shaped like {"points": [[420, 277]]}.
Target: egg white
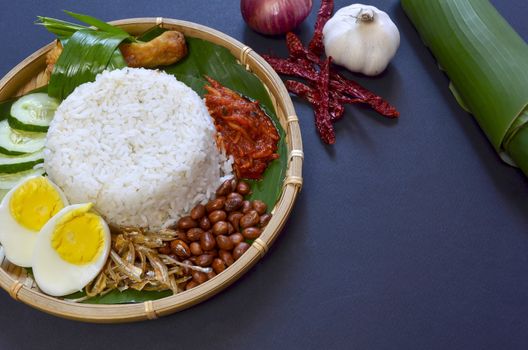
{"points": [[18, 241], [57, 277]]}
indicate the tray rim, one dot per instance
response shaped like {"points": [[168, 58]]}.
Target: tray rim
{"points": [[113, 313]]}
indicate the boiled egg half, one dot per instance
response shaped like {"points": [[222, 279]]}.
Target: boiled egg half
{"points": [[24, 210], [71, 250]]}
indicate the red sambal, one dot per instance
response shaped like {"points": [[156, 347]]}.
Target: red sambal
{"points": [[244, 130]]}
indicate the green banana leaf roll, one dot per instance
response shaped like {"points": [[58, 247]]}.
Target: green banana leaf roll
{"points": [[487, 63]]}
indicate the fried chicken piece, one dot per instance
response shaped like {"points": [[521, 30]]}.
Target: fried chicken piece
{"points": [[166, 49], [52, 57]]}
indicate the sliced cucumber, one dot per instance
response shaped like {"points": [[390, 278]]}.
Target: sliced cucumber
{"points": [[33, 112], [2, 195], [5, 109], [15, 164], [8, 181], [14, 142]]}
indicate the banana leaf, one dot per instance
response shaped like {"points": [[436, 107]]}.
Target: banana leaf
{"points": [[487, 62], [204, 58], [125, 297]]}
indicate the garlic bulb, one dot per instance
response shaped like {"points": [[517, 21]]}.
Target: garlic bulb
{"points": [[361, 38]]}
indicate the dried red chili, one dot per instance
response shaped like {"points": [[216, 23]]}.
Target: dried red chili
{"points": [[326, 90], [346, 86], [322, 115], [244, 130], [336, 104], [338, 83], [323, 15], [310, 94]]}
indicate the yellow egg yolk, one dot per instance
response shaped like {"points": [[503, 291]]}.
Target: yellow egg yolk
{"points": [[34, 203], [78, 236]]}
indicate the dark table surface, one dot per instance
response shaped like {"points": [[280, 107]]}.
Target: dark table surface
{"points": [[407, 235]]}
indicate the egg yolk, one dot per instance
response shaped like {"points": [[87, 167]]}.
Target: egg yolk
{"points": [[34, 202], [78, 237]]}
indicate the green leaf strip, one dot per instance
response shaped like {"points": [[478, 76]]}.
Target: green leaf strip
{"points": [[103, 26], [86, 54]]}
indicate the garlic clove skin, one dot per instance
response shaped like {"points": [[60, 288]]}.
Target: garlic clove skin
{"points": [[361, 38]]}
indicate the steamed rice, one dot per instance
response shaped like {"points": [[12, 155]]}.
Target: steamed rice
{"points": [[138, 144]]}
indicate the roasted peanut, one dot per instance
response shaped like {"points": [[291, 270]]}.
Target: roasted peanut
{"points": [[264, 220], [236, 238], [226, 257], [220, 228], [240, 249], [186, 223], [213, 253], [204, 260], [246, 206], [225, 188], [217, 215], [207, 241], [196, 248], [198, 212], [180, 248], [250, 219], [233, 201], [234, 219], [215, 204], [251, 232], [259, 206], [191, 284], [223, 242], [218, 265], [199, 277], [204, 223], [181, 235], [243, 188], [210, 275], [194, 234]]}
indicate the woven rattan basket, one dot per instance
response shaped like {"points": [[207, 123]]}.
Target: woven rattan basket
{"points": [[29, 75]]}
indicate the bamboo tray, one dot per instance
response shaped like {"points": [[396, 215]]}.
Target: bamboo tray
{"points": [[29, 74]]}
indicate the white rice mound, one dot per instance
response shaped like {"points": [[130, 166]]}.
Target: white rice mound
{"points": [[137, 143]]}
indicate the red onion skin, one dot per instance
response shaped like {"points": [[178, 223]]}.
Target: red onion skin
{"points": [[274, 17]]}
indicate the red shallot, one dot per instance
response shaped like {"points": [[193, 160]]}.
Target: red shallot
{"points": [[273, 17]]}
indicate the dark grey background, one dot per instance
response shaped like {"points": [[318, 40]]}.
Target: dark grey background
{"points": [[407, 235]]}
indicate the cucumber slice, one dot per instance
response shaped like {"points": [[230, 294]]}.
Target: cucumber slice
{"points": [[8, 181], [14, 142], [5, 109], [15, 164], [2, 195], [33, 112]]}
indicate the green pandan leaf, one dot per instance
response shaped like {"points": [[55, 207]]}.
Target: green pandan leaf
{"points": [[86, 54]]}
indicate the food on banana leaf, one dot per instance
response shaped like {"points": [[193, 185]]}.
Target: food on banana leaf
{"points": [[145, 256]]}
